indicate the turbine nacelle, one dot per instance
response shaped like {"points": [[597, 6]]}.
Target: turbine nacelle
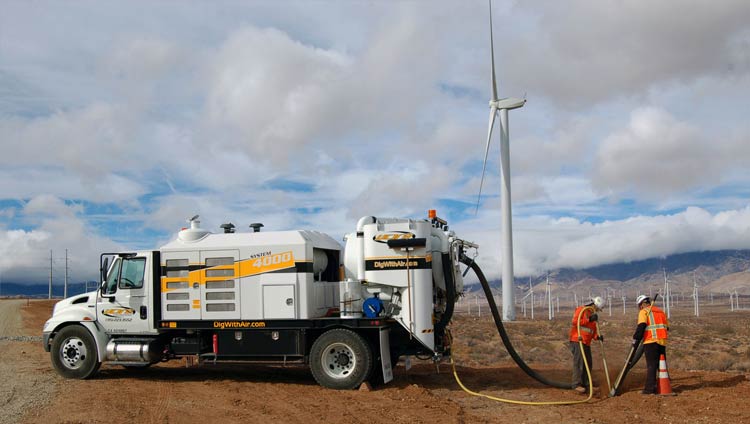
{"points": [[508, 103]]}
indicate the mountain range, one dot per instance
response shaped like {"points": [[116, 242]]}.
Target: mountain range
{"points": [[715, 272]]}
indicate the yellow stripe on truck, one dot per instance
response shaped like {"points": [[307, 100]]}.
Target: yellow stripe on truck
{"points": [[267, 263], [243, 268]]}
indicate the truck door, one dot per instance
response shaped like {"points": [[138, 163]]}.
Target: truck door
{"points": [[122, 304], [220, 288], [180, 286]]}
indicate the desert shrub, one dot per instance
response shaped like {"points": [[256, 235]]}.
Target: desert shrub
{"points": [[724, 330], [717, 362]]}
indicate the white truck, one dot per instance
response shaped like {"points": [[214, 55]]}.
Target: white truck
{"points": [[286, 296]]}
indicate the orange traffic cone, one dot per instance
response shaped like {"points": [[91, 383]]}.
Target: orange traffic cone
{"points": [[664, 388]]}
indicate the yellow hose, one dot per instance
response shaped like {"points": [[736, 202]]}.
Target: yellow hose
{"points": [[519, 402], [604, 360]]}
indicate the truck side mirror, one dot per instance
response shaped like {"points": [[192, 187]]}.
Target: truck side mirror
{"points": [[103, 271]]}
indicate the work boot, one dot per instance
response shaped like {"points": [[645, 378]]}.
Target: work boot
{"points": [[643, 392], [581, 389]]}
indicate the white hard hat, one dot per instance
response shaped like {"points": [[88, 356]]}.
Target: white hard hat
{"points": [[642, 298], [598, 302]]}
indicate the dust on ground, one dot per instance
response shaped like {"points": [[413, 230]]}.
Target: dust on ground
{"points": [[172, 393], [26, 382]]}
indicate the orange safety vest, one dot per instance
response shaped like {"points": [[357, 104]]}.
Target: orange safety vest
{"points": [[588, 328], [656, 326]]}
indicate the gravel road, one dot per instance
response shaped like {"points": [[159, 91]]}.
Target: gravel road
{"points": [[10, 317], [27, 380]]}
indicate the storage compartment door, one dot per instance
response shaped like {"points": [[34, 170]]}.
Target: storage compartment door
{"points": [[279, 302]]}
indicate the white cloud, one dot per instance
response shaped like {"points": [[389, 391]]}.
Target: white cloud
{"points": [[543, 243], [140, 59], [273, 90], [577, 51], [27, 182], [48, 205], [24, 254], [657, 154], [91, 141]]}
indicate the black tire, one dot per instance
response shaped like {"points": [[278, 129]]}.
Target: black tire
{"points": [[340, 359], [74, 353]]}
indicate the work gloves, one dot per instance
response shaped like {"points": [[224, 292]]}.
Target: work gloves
{"points": [[593, 318], [600, 338], [634, 343]]}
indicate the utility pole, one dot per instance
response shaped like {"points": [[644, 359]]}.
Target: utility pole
{"points": [[50, 275], [65, 287]]}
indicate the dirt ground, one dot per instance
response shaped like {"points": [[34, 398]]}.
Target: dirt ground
{"points": [[172, 393]]}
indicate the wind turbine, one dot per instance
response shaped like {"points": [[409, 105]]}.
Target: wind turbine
{"points": [[502, 106], [696, 302], [550, 310]]}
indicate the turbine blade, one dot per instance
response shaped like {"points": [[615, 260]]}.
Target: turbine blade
{"points": [[492, 58], [493, 113]]}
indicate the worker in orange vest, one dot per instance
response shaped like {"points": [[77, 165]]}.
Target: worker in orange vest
{"points": [[588, 318], [653, 327]]}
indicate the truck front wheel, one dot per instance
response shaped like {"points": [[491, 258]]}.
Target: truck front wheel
{"points": [[74, 353], [340, 359]]}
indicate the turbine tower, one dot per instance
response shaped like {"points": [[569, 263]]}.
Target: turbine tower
{"points": [[502, 106]]}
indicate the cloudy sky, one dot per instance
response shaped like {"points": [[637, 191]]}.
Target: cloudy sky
{"points": [[118, 120]]}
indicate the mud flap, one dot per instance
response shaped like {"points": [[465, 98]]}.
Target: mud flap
{"points": [[385, 354]]}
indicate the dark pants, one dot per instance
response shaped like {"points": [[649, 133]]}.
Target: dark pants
{"points": [[580, 378], [652, 352]]}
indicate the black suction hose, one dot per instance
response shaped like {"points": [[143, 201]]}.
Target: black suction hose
{"points": [[450, 293], [501, 330]]}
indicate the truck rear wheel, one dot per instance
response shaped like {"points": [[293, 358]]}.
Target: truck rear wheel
{"points": [[74, 353], [340, 359]]}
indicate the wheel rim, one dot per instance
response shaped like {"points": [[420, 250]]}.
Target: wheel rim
{"points": [[73, 353], [339, 361]]}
